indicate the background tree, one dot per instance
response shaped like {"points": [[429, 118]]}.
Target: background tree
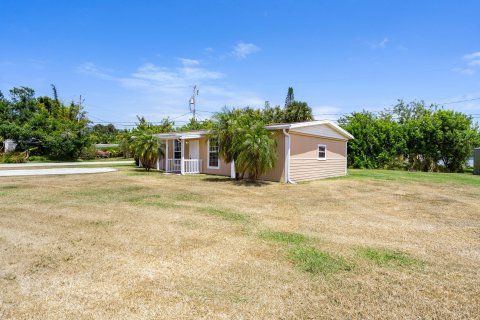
{"points": [[273, 115], [412, 136], [297, 111], [54, 129], [195, 124], [100, 133], [293, 111], [290, 97]]}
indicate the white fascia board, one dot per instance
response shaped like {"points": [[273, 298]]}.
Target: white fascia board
{"points": [[308, 124]]}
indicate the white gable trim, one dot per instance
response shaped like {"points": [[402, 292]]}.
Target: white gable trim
{"points": [[302, 127]]}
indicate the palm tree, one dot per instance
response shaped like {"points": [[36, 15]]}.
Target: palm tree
{"points": [[290, 96], [242, 138], [224, 129], [297, 111], [257, 151], [148, 149]]}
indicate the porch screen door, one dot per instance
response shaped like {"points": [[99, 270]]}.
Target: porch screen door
{"points": [[194, 152]]}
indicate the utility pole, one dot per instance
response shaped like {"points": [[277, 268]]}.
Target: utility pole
{"points": [[80, 101], [193, 101]]}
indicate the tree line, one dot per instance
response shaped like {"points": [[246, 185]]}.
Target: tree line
{"points": [[412, 136], [43, 125], [407, 136]]}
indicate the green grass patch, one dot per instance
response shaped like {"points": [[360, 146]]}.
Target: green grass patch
{"points": [[225, 214], [385, 257], [152, 201], [188, 196], [7, 190], [161, 204], [8, 187], [414, 177], [314, 261], [283, 237]]}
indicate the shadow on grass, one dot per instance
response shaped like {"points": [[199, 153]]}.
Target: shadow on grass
{"points": [[247, 183], [142, 172]]}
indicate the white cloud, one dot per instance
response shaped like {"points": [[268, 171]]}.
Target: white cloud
{"points": [[242, 50], [91, 69], [160, 92], [472, 61], [189, 62], [472, 56]]}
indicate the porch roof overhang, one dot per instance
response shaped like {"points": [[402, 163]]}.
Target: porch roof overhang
{"points": [[181, 135]]}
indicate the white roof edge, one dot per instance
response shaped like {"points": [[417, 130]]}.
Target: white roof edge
{"points": [[181, 135], [334, 126], [199, 134]]}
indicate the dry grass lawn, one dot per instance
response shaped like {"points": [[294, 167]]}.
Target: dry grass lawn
{"points": [[129, 244]]}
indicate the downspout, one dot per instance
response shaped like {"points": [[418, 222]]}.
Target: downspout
{"points": [[287, 157]]}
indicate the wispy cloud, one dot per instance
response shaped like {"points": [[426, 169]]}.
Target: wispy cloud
{"points": [[472, 63], [91, 69], [189, 62], [326, 112], [164, 91], [379, 45], [242, 50]]}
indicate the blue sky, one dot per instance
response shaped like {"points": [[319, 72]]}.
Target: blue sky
{"points": [[143, 57]]}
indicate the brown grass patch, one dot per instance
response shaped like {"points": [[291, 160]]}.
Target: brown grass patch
{"points": [[130, 244]]}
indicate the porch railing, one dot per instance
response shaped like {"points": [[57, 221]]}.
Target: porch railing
{"points": [[174, 165], [190, 165]]}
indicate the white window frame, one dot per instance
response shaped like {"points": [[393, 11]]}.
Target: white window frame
{"points": [[208, 157], [318, 152]]}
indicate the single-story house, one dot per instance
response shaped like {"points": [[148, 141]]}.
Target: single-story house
{"points": [[305, 151]]}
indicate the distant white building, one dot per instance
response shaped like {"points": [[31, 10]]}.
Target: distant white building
{"points": [[9, 145]]}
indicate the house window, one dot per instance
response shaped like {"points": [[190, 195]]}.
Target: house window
{"points": [[177, 149], [322, 152], [213, 160]]}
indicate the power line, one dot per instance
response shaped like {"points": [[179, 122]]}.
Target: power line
{"points": [[459, 101]]}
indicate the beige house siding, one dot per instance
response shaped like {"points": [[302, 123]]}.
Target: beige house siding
{"points": [[224, 169], [278, 171], [304, 164]]}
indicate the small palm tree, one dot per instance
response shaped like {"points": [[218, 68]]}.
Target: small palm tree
{"points": [[257, 152], [242, 138], [148, 149]]}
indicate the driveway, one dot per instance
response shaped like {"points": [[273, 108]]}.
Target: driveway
{"points": [[57, 171], [61, 164]]}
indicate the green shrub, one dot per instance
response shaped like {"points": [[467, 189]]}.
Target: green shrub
{"points": [[38, 158], [14, 157], [114, 152], [88, 153]]}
